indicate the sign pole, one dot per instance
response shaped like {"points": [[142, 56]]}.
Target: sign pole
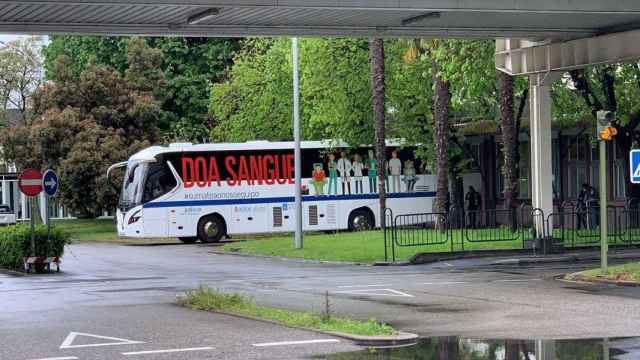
{"points": [[33, 225], [298, 242], [604, 244]]}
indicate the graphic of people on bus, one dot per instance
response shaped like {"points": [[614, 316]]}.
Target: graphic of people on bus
{"points": [[372, 172], [357, 167], [409, 175], [318, 179], [333, 175], [344, 168], [395, 169]]}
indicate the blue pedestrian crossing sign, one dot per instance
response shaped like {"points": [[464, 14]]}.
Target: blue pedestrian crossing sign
{"points": [[50, 183]]}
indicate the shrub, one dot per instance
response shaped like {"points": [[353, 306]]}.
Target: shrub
{"points": [[15, 244]]}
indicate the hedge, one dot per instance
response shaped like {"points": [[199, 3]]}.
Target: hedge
{"points": [[15, 244]]}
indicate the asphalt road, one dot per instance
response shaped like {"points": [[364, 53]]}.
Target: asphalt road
{"points": [[127, 292]]}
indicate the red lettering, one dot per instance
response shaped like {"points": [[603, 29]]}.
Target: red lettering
{"points": [[256, 169], [243, 171], [201, 171], [268, 173], [230, 162], [290, 168], [280, 160], [187, 172], [214, 174]]}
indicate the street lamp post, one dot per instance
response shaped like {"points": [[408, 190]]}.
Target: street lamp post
{"points": [[296, 137]]}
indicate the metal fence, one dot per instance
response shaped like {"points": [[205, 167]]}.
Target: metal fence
{"points": [[459, 230], [580, 227]]}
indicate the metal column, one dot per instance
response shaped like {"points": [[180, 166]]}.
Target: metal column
{"points": [[298, 242], [541, 146]]}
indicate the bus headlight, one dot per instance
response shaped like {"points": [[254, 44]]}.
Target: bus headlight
{"points": [[135, 217]]}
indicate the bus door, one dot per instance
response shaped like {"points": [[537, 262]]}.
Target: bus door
{"points": [[159, 183]]}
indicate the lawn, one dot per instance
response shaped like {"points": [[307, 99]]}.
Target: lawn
{"points": [[626, 272], [89, 229], [212, 300], [364, 247]]}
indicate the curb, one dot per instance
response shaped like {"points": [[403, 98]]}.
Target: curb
{"points": [[13, 272], [584, 279], [400, 339], [566, 258], [281, 258]]}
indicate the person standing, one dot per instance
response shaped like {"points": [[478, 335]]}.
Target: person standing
{"points": [[409, 175], [473, 205], [318, 179], [344, 168], [582, 207], [395, 169], [357, 167], [372, 172], [333, 175]]}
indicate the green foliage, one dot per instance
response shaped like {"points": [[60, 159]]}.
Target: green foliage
{"points": [[15, 244], [188, 67], [86, 122], [207, 299]]}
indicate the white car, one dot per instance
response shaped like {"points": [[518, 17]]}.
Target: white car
{"points": [[7, 217]]}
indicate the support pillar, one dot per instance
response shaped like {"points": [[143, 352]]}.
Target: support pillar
{"points": [[541, 147], [5, 192]]}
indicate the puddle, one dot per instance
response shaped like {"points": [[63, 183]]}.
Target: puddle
{"points": [[469, 349]]}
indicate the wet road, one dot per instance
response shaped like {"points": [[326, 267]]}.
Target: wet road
{"points": [[126, 292]]}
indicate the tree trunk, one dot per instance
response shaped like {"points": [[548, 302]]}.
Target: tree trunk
{"points": [[376, 55], [509, 144], [441, 102]]}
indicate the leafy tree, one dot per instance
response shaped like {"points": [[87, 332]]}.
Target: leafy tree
{"points": [[20, 73], [189, 65], [85, 122]]}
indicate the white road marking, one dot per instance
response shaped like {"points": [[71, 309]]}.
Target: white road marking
{"points": [[286, 343], [375, 292], [446, 283], [166, 351], [59, 358], [66, 344], [360, 286]]}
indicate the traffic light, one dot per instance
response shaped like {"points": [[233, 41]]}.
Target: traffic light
{"points": [[606, 130]]}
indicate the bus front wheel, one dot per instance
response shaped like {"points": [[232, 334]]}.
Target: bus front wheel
{"points": [[211, 229]]}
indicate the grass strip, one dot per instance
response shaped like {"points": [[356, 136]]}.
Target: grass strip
{"points": [[208, 299], [625, 272], [368, 246]]}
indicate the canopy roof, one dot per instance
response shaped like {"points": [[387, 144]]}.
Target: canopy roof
{"points": [[536, 19]]}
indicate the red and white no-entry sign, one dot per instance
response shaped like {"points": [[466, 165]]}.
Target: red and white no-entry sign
{"points": [[30, 182]]}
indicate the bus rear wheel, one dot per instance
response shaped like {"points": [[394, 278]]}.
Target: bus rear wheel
{"points": [[188, 240], [361, 220], [211, 229]]}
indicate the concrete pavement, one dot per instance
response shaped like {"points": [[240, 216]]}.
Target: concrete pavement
{"points": [[127, 292]]}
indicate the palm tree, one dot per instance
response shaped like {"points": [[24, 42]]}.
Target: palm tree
{"points": [[376, 57], [509, 138], [441, 106]]}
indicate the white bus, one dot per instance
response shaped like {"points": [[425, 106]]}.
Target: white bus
{"points": [[209, 191]]}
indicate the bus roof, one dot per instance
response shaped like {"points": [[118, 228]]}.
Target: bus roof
{"points": [[149, 154]]}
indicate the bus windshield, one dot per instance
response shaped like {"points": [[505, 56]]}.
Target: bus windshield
{"points": [[131, 194]]}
